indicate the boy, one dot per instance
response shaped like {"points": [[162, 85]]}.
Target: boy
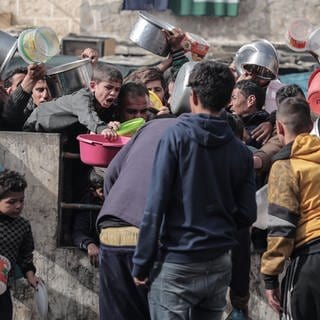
{"points": [[84, 233], [293, 223], [15, 232], [90, 108]]}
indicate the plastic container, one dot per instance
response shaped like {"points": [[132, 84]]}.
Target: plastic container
{"points": [[128, 128], [196, 45], [41, 299], [155, 101], [313, 43], [314, 91], [298, 34], [5, 267], [38, 45], [96, 150]]}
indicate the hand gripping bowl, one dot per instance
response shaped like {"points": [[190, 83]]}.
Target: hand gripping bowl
{"points": [[96, 150]]}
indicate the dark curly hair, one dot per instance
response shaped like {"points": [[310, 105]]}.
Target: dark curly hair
{"points": [[8, 78], [11, 181], [213, 83]]}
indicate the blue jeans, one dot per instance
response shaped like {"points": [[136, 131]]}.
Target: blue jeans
{"points": [[200, 287]]}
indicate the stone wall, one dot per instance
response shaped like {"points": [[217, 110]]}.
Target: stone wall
{"points": [[71, 281], [256, 19]]}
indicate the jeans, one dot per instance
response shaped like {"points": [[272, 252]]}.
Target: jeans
{"points": [[200, 287], [119, 297]]}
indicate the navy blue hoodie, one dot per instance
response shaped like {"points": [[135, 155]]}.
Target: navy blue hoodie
{"points": [[202, 189]]}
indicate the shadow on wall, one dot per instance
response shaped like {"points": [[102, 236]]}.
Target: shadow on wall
{"points": [[70, 279]]}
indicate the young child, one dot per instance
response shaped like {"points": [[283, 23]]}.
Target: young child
{"points": [[84, 232], [15, 233]]}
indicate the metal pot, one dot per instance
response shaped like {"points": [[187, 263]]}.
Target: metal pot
{"points": [[69, 77], [7, 49], [180, 96], [259, 57], [147, 34]]}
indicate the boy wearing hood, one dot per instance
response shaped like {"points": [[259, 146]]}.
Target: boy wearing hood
{"points": [[202, 190], [294, 216]]}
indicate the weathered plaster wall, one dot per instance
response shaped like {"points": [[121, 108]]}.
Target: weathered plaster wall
{"points": [[71, 281], [257, 18]]}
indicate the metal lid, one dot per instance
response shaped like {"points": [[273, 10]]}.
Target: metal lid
{"points": [[155, 21]]}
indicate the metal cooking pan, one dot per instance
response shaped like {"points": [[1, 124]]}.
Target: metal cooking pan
{"points": [[180, 96], [147, 34], [69, 77], [7, 49]]}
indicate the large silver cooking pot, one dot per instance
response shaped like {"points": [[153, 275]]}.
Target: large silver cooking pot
{"points": [[69, 77], [147, 34], [179, 102], [259, 57], [7, 49]]}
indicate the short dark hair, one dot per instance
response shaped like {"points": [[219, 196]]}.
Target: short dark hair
{"points": [[103, 71], [135, 89], [288, 91], [249, 88], [11, 181], [8, 78], [145, 75], [295, 114], [95, 180], [213, 83]]}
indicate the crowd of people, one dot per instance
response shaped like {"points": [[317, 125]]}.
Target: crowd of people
{"points": [[178, 200]]}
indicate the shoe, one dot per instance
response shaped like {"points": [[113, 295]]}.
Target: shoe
{"points": [[237, 314]]}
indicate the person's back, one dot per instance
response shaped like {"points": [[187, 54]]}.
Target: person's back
{"points": [[294, 227], [125, 186], [202, 189]]}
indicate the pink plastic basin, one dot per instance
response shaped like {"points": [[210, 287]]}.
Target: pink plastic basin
{"points": [[96, 150]]}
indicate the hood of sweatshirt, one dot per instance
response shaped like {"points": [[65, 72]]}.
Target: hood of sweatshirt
{"points": [[206, 130], [306, 147]]}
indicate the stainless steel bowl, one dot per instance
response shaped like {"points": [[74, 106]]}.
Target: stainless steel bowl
{"points": [[181, 92], [259, 57], [7, 49], [69, 77], [147, 34]]}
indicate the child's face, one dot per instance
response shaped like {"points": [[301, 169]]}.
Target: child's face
{"points": [[106, 92], [12, 204]]}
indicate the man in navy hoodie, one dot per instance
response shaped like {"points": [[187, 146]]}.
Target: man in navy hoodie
{"points": [[202, 190]]}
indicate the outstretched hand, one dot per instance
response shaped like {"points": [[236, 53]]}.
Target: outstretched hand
{"points": [[90, 53]]}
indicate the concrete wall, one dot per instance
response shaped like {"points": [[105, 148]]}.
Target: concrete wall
{"points": [[71, 281], [257, 19]]}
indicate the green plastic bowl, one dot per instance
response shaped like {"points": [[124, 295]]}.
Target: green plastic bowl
{"points": [[128, 128]]}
